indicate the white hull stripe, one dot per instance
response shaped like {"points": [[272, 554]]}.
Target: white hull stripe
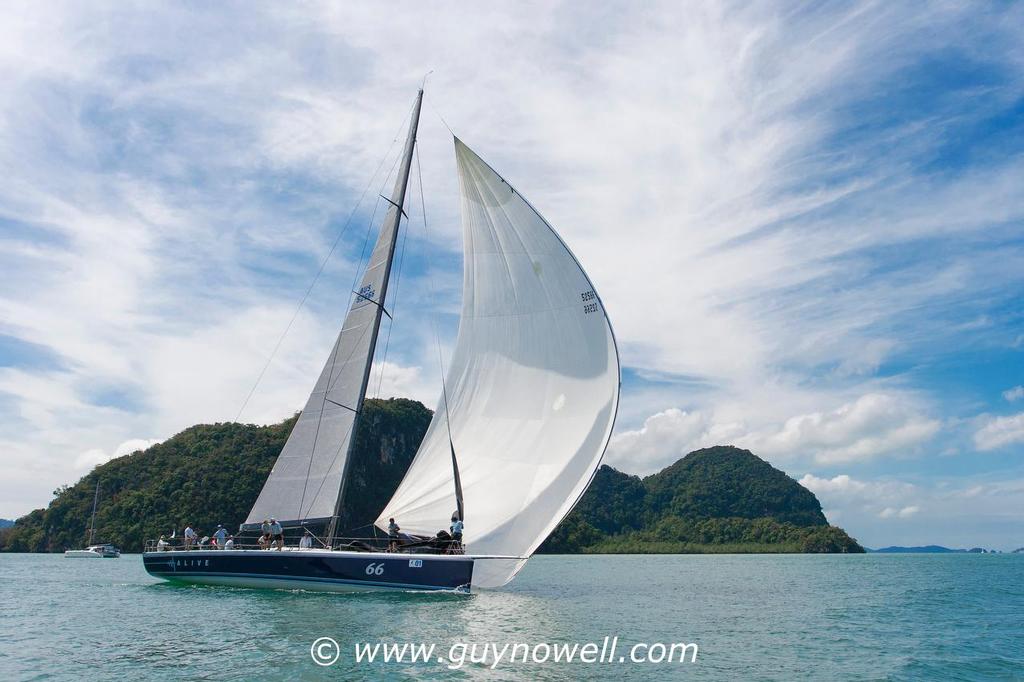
{"points": [[193, 576]]}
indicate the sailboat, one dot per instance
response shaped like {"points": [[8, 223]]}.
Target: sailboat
{"points": [[92, 551], [527, 408]]}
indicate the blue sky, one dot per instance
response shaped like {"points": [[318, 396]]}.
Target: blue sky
{"points": [[805, 223]]}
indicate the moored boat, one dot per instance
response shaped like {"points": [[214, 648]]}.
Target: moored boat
{"points": [[94, 552]]}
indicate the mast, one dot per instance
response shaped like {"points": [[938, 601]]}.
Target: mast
{"points": [[92, 524], [387, 241]]}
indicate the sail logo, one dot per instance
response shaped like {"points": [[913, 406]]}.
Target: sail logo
{"points": [[364, 296]]}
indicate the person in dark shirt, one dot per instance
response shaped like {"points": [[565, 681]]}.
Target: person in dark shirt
{"points": [[393, 535]]}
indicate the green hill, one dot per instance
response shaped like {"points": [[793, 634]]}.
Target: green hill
{"points": [[210, 474], [720, 499], [713, 500]]}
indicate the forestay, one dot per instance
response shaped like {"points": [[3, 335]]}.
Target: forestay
{"points": [[307, 481], [532, 388]]}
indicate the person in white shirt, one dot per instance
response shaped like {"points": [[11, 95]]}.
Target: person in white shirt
{"points": [[190, 537], [456, 529], [307, 541], [162, 544], [230, 542], [220, 535]]}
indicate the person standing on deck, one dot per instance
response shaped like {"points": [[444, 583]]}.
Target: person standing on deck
{"points": [[190, 537], [393, 535], [456, 529], [221, 536], [277, 533], [265, 534]]}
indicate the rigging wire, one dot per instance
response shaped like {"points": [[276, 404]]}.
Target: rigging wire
{"points": [[331, 380], [316, 278], [440, 357], [433, 295], [438, 114]]}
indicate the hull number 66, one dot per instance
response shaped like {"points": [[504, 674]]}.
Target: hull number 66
{"points": [[375, 569]]}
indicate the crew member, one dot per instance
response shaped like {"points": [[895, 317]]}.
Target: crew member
{"points": [[276, 533], [456, 529], [265, 534], [220, 536], [393, 535]]}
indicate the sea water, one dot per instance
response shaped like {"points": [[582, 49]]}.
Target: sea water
{"points": [[783, 617]]}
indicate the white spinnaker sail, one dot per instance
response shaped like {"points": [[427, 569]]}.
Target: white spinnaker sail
{"points": [[532, 388]]}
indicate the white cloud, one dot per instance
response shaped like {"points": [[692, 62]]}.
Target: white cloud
{"points": [[958, 513], [95, 456], [873, 425], [905, 512], [843, 490], [841, 484], [391, 380], [1015, 393], [997, 432], [162, 259], [663, 438]]}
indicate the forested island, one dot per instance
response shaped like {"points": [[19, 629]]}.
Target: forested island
{"points": [[720, 499]]}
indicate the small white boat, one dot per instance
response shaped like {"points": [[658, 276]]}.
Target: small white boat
{"points": [[94, 552]]}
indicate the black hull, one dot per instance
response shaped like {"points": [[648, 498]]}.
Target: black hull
{"points": [[316, 570]]}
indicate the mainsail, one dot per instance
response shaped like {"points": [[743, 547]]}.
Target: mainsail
{"points": [[307, 482], [532, 389]]}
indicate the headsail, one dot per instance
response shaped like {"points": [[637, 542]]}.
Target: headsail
{"points": [[532, 389], [308, 479]]}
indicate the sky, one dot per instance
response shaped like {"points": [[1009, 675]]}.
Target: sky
{"points": [[806, 223]]}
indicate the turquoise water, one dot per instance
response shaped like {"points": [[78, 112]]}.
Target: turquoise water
{"points": [[752, 617]]}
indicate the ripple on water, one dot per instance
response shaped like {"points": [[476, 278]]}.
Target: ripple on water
{"points": [[763, 617]]}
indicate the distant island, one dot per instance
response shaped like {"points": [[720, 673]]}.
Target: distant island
{"points": [[715, 500], [932, 549]]}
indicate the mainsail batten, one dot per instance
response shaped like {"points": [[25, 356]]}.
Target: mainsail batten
{"points": [[307, 482], [532, 388]]}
